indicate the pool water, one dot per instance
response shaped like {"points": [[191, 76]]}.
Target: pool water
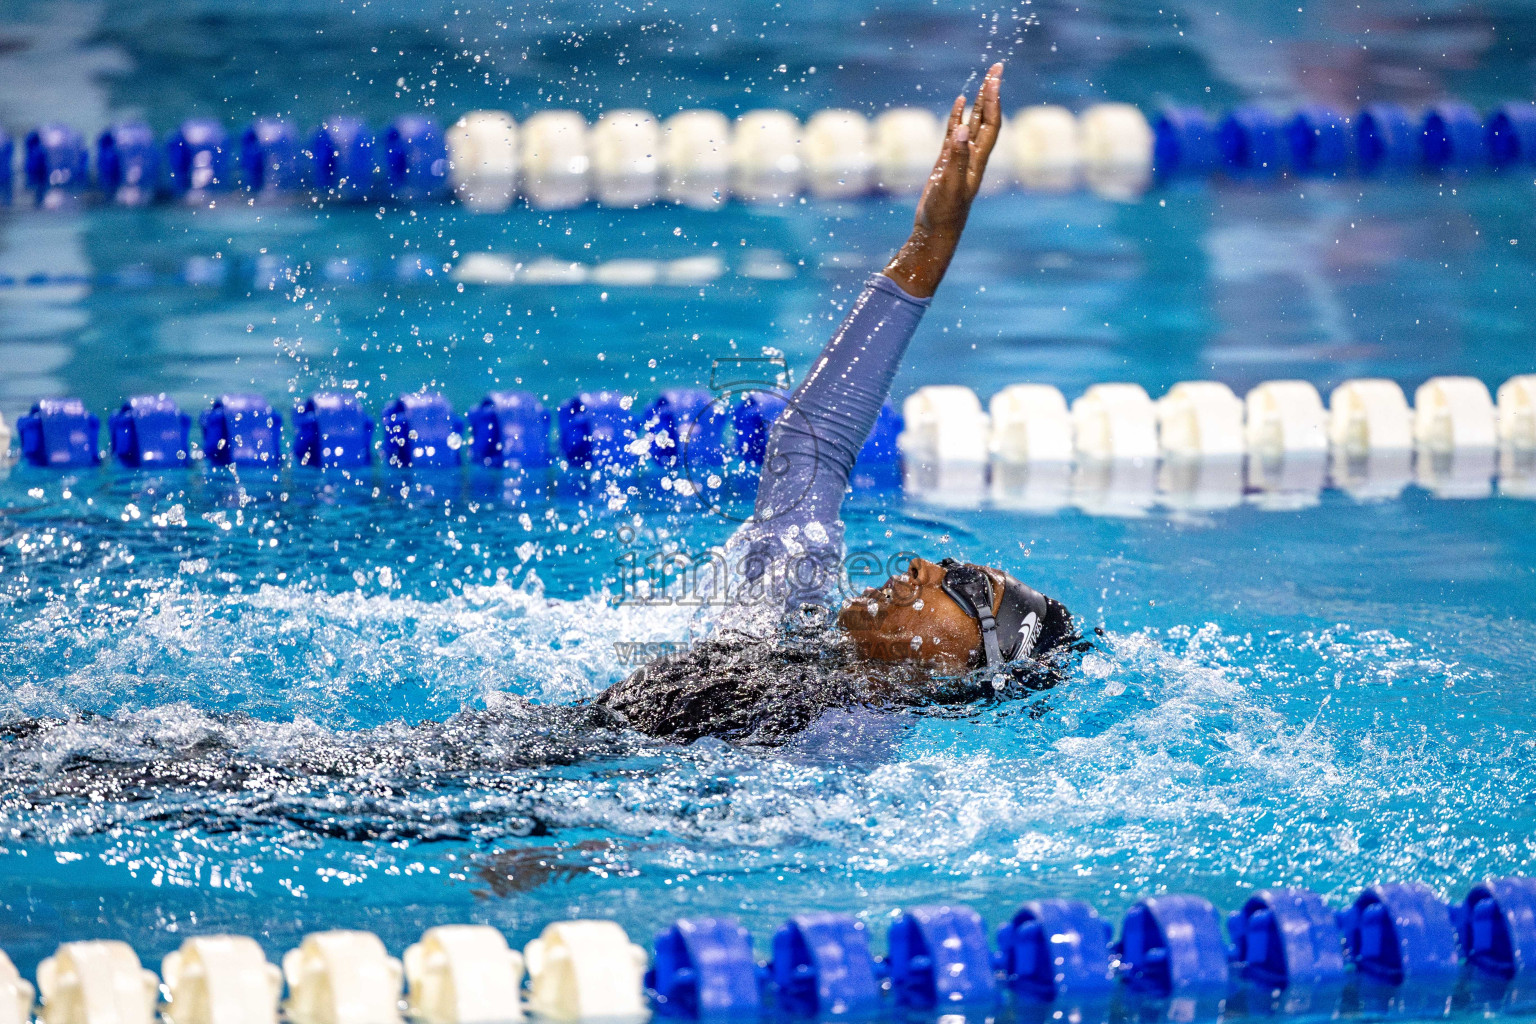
{"points": [[272, 705]]}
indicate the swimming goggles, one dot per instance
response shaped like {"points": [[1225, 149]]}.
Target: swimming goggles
{"points": [[971, 588]]}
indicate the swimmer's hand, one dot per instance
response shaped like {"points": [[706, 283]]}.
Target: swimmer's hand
{"points": [[946, 201]]}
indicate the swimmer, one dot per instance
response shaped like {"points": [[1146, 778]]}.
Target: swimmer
{"points": [[921, 637]]}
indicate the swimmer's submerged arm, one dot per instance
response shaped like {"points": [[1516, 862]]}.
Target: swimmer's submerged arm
{"points": [[814, 444]]}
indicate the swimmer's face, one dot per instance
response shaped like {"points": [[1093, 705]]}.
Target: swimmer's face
{"points": [[910, 618]]}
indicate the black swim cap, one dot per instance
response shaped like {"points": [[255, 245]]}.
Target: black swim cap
{"points": [[1035, 622], [1026, 625]]}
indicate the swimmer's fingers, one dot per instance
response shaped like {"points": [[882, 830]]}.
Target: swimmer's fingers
{"points": [[973, 120], [956, 114], [987, 117]]}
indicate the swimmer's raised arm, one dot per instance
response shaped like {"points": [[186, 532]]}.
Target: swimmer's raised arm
{"points": [[952, 185], [814, 444]]}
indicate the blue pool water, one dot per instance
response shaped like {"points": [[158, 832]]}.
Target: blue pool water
{"points": [[275, 705]]}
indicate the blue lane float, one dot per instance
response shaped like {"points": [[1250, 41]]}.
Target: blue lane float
{"points": [[54, 161], [1386, 139], [1452, 137], [1173, 944], [597, 429], [752, 418], [1317, 138], [197, 157], [881, 446], [242, 431], [415, 158], [1285, 937], [1511, 139], [128, 163], [150, 432], [341, 160], [59, 433], [822, 965], [1397, 932], [703, 967], [421, 431], [1055, 949], [686, 427], [509, 430], [1184, 142], [269, 156], [1249, 139], [332, 431], [939, 957], [1497, 928], [878, 466]]}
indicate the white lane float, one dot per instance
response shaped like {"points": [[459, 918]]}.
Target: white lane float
{"points": [[100, 982], [16, 994], [945, 423], [548, 270], [1456, 430], [627, 273], [586, 970], [626, 157], [1200, 419], [1283, 417], [1369, 415], [837, 151], [482, 159], [905, 143], [1200, 432], [1517, 412], [485, 268], [766, 158], [1045, 149], [1030, 423], [342, 977], [5, 443], [1285, 430], [553, 158], [944, 444], [693, 270], [221, 979], [1517, 436], [1370, 429], [1114, 422], [1452, 413], [1116, 149], [464, 974], [696, 157]]}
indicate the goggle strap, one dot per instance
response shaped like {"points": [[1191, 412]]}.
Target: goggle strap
{"points": [[978, 605], [989, 640]]}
